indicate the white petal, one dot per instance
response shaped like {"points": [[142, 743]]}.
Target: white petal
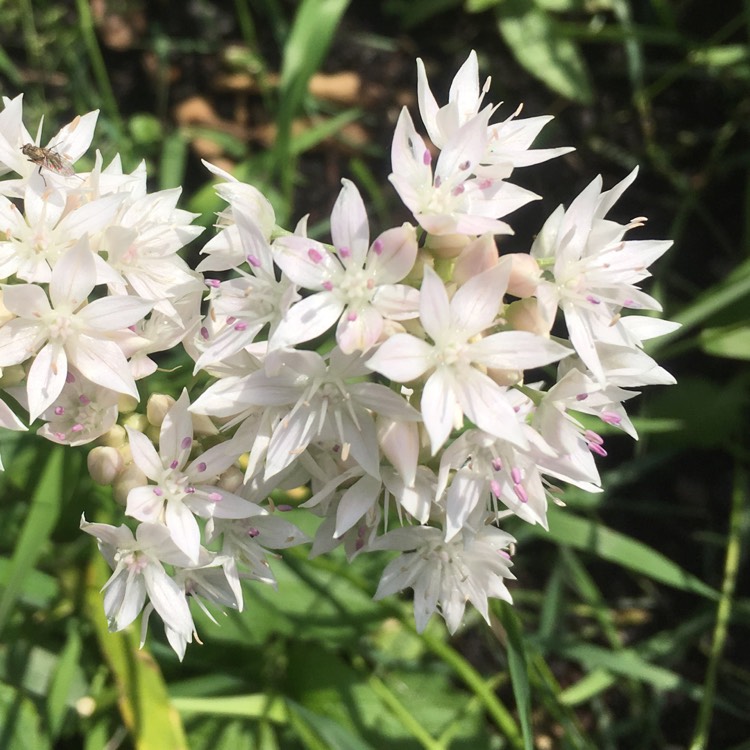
{"points": [[402, 358]]}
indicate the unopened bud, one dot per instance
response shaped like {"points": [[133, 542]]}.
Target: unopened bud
{"points": [[13, 375], [446, 245], [136, 421], [479, 255], [203, 425], [115, 437], [232, 479], [524, 274], [131, 476], [525, 315], [157, 407], [126, 404], [104, 464], [505, 377]]}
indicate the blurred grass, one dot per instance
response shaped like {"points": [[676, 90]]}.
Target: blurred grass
{"points": [[631, 613]]}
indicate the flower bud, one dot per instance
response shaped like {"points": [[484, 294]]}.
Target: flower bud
{"points": [[115, 437], [525, 315], [136, 422], [131, 476], [157, 407], [231, 480], [104, 464], [479, 255], [524, 274], [126, 404], [446, 245], [505, 377]]}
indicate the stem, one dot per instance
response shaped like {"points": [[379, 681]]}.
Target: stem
{"points": [[737, 521]]}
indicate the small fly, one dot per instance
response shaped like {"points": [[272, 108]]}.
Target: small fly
{"points": [[49, 159]]}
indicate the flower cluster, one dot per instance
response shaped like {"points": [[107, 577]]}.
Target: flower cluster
{"points": [[388, 374]]}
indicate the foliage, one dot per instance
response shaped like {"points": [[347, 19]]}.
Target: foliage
{"points": [[621, 633]]}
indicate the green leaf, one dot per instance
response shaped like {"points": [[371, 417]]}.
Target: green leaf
{"points": [[258, 706], [618, 548], [21, 725], [627, 663], [41, 519], [62, 693], [539, 46], [305, 49], [732, 342], [519, 671]]}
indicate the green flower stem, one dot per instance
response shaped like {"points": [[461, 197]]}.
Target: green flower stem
{"points": [[86, 25], [737, 522]]}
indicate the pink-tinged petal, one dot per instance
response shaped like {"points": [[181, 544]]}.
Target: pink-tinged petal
{"points": [[92, 217], [116, 536], [476, 304], [212, 462], [115, 313], [582, 337], [8, 420], [19, 340], [478, 256], [399, 442], [183, 528], [289, 439], [73, 140], [306, 320], [484, 402], [402, 358], [349, 229], [464, 494], [26, 300], [439, 407], [355, 502], [393, 254], [383, 401], [168, 599], [124, 597], [46, 379], [464, 91], [428, 107], [359, 330], [144, 454], [254, 243], [73, 277], [223, 504], [362, 438], [304, 261], [102, 362], [176, 433], [464, 150], [396, 301], [516, 350], [410, 161], [434, 306], [144, 504]]}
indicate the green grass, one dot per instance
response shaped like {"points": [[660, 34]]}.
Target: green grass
{"points": [[630, 613]]}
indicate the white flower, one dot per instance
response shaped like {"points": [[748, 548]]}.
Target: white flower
{"points": [[139, 573], [507, 143], [457, 385], [591, 272], [454, 200], [354, 286], [446, 575], [249, 303], [68, 331], [182, 489]]}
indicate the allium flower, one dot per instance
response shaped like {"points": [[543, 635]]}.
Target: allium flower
{"points": [[137, 562], [457, 385], [446, 575], [453, 200], [354, 285], [68, 331], [182, 490], [591, 271], [508, 142]]}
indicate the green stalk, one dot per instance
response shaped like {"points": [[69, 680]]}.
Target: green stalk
{"points": [[737, 521]]}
